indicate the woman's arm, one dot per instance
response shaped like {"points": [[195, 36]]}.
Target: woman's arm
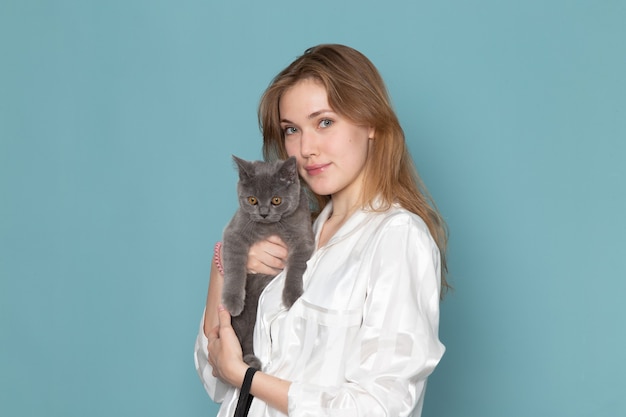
{"points": [[265, 257], [215, 388], [226, 359], [213, 298]]}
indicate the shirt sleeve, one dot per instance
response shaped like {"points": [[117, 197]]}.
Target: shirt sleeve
{"points": [[213, 386], [397, 345]]}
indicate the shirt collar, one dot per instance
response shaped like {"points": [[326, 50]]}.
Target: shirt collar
{"points": [[356, 221]]}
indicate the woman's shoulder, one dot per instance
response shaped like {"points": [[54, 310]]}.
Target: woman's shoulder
{"points": [[398, 222], [397, 215]]}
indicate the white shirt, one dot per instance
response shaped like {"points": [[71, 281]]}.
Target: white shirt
{"points": [[363, 337]]}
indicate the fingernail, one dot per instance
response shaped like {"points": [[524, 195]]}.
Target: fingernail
{"points": [[221, 307]]}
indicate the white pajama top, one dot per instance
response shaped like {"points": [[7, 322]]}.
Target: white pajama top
{"points": [[363, 337]]}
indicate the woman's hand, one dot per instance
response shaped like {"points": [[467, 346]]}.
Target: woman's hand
{"points": [[225, 355], [267, 256]]}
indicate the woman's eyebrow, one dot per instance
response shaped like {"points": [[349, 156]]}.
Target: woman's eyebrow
{"points": [[317, 113], [310, 116]]}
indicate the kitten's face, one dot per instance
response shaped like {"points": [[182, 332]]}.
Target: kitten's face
{"points": [[268, 191]]}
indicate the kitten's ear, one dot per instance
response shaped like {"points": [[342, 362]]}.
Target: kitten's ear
{"points": [[246, 169], [289, 172]]}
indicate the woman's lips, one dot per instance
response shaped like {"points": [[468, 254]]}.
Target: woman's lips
{"points": [[316, 169]]}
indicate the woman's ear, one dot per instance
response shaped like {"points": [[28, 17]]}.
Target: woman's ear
{"points": [[371, 133]]}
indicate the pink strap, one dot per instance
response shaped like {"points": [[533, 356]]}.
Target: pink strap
{"points": [[217, 257]]}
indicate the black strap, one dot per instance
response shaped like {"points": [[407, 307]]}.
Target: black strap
{"points": [[245, 398]]}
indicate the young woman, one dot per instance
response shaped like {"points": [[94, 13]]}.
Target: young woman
{"points": [[363, 338]]}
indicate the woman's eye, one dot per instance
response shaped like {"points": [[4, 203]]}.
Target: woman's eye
{"points": [[325, 123], [290, 130], [276, 201], [252, 200]]}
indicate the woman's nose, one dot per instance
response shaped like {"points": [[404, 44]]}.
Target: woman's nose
{"points": [[308, 144]]}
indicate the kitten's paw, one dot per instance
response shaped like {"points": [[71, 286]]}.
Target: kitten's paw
{"points": [[234, 305], [290, 297], [252, 361]]}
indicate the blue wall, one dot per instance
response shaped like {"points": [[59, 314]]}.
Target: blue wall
{"points": [[117, 122]]}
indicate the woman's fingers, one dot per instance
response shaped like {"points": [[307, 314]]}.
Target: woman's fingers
{"points": [[267, 256]]}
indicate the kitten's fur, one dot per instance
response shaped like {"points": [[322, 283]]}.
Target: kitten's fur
{"points": [[271, 202]]}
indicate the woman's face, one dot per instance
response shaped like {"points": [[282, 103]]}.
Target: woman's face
{"points": [[330, 150]]}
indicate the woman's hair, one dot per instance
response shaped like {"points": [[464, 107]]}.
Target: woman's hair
{"points": [[357, 92]]}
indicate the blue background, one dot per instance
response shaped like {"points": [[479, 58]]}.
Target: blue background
{"points": [[117, 122]]}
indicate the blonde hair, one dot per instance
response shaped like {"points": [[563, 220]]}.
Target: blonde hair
{"points": [[356, 91]]}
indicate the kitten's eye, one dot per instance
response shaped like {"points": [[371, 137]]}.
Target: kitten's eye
{"points": [[252, 200], [276, 201], [325, 123]]}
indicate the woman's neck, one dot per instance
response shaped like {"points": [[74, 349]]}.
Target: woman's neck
{"points": [[345, 203], [337, 218], [343, 214]]}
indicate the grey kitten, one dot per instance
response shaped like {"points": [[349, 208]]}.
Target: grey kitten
{"points": [[271, 202]]}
